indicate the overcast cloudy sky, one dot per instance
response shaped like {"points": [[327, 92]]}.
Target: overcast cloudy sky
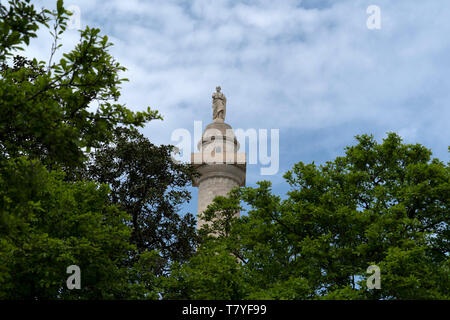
{"points": [[310, 68]]}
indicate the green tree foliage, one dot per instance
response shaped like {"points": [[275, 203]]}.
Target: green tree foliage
{"points": [[381, 204], [214, 272], [18, 24], [49, 219], [47, 224], [45, 111], [150, 186]]}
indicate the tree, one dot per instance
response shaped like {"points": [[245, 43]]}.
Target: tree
{"points": [[45, 106], [148, 184], [49, 218], [211, 274], [381, 204], [52, 224], [214, 271]]}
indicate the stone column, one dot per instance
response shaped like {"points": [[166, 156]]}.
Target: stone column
{"points": [[221, 167]]}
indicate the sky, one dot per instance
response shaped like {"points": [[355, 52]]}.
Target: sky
{"points": [[311, 69]]}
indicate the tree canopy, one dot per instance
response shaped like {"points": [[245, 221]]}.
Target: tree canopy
{"points": [[46, 108], [80, 185], [148, 184], [381, 204], [63, 204]]}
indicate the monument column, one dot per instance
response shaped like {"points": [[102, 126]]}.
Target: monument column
{"points": [[221, 167]]}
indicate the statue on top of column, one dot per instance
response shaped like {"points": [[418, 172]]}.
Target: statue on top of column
{"points": [[219, 106]]}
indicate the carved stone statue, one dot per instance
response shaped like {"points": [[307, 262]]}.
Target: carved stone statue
{"points": [[219, 106]]}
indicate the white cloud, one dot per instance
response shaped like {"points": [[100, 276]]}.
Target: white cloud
{"points": [[283, 65]]}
